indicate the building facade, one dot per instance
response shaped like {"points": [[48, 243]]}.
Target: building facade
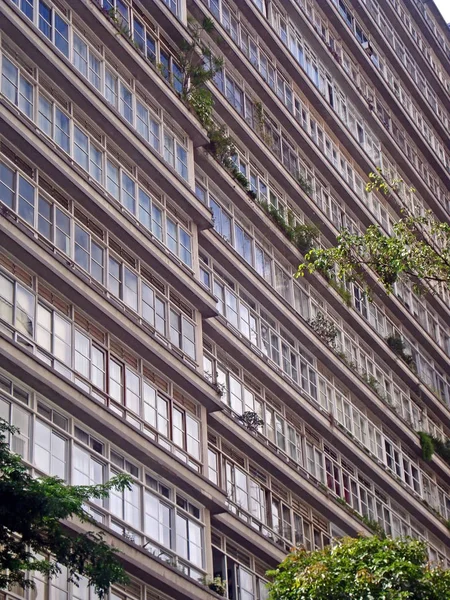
{"points": [[149, 318]]}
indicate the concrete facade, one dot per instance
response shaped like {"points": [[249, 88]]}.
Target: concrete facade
{"points": [[147, 301]]}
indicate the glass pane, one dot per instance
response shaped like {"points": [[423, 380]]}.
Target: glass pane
{"points": [[25, 206], [25, 311], [6, 185]]}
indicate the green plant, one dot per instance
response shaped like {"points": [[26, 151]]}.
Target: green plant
{"points": [[341, 290], [259, 117], [31, 511], [112, 14], [416, 251], [117, 20], [377, 181], [435, 391], [195, 72], [162, 69], [343, 502], [343, 356], [397, 345], [374, 526], [427, 445], [220, 388], [371, 381], [301, 235], [240, 178], [251, 421], [365, 568], [221, 146], [303, 183], [325, 329], [304, 236], [217, 585], [431, 444], [277, 216], [202, 103]]}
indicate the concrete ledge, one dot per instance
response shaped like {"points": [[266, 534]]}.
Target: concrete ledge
{"points": [[112, 124], [77, 184], [145, 567], [60, 390], [124, 326]]}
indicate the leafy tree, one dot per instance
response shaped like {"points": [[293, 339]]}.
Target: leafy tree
{"points": [[32, 537], [196, 71], [365, 568], [418, 250]]}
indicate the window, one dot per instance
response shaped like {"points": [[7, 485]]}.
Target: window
{"points": [[150, 214], [243, 243], [112, 179], [89, 360], [45, 19], [234, 95], [26, 6], [7, 185], [49, 450], [171, 421], [192, 436], [126, 103], [54, 27], [263, 264], [179, 241], [15, 415], [158, 519], [246, 493], [17, 88], [156, 410], [111, 85], [182, 333], [175, 154], [85, 61], [173, 5], [25, 310], [213, 467], [221, 219], [25, 200], [61, 130], [172, 527], [126, 504], [189, 540], [87, 469]]}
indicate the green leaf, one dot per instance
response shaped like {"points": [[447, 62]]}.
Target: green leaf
{"points": [[31, 511], [365, 568]]}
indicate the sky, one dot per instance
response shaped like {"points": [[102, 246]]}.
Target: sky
{"points": [[444, 7]]}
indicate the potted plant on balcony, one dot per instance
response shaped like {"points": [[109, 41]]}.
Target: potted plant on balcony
{"points": [[251, 421], [397, 345], [216, 584], [325, 329]]}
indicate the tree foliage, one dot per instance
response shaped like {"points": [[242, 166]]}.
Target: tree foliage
{"points": [[196, 71], [32, 537], [431, 444], [418, 250], [365, 568]]}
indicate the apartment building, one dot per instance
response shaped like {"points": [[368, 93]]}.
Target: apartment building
{"points": [[149, 318]]}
